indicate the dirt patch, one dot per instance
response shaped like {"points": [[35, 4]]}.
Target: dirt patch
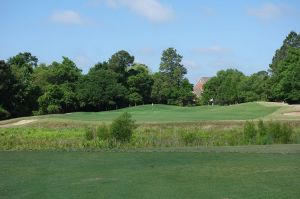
{"points": [[21, 122], [295, 113]]}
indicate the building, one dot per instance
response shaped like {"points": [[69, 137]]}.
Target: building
{"points": [[198, 88]]}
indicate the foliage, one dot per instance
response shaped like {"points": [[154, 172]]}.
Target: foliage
{"points": [[122, 127], [139, 84], [169, 85], [224, 89], [286, 78], [7, 88], [27, 87], [103, 132], [272, 133], [4, 114], [119, 62], [99, 90], [255, 87], [23, 95], [90, 134], [250, 132]]}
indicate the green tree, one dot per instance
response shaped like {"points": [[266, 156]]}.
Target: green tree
{"points": [[25, 92], [255, 87], [119, 63], [64, 72], [286, 80], [225, 88], [100, 90], [7, 89], [171, 66], [292, 40], [139, 84], [58, 83], [169, 85]]}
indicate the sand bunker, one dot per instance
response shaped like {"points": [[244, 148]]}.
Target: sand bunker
{"points": [[21, 122], [295, 113]]}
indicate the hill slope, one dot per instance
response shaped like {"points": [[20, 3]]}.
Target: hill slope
{"points": [[165, 113]]}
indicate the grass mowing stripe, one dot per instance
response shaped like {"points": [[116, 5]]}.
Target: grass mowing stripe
{"points": [[148, 175], [165, 113]]}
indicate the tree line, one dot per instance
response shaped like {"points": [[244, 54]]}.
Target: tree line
{"points": [[281, 83], [29, 88]]}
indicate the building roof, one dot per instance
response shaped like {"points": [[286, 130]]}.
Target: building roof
{"points": [[198, 88]]}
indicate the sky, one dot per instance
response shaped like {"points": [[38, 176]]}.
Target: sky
{"points": [[211, 35]]}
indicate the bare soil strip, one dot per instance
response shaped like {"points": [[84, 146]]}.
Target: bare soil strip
{"points": [[295, 113], [18, 123]]}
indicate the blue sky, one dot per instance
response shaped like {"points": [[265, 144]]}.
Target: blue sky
{"points": [[211, 35]]}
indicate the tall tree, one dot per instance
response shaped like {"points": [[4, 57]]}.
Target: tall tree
{"points": [[255, 87], [119, 63], [282, 64], [286, 80], [100, 90], [7, 89], [139, 84], [225, 88], [292, 40], [26, 93], [171, 66], [60, 85], [169, 83]]}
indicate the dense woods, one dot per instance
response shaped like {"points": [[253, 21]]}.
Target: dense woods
{"points": [[30, 88]]}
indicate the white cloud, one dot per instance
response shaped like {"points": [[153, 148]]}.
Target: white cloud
{"points": [[68, 17], [212, 49], [191, 65], [147, 51], [153, 10], [268, 11]]}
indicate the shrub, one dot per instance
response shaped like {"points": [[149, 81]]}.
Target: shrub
{"points": [[280, 133], [262, 133], [4, 114], [189, 138], [103, 132], [122, 127], [90, 134], [250, 132], [52, 109]]}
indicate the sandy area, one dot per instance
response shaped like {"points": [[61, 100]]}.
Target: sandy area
{"points": [[21, 122], [295, 113]]}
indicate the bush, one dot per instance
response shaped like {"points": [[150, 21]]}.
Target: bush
{"points": [[250, 132], [280, 133], [122, 128], [103, 132], [4, 114], [52, 109], [262, 133], [90, 134], [189, 138]]}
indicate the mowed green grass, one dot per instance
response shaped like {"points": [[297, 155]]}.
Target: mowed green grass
{"points": [[165, 113], [149, 175]]}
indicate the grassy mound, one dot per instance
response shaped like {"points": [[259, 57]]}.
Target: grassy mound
{"points": [[165, 113]]}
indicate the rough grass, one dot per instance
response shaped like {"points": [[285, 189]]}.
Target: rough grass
{"points": [[149, 175], [146, 136]]}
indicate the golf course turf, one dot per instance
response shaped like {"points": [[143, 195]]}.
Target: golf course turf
{"points": [[149, 175], [220, 172]]}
